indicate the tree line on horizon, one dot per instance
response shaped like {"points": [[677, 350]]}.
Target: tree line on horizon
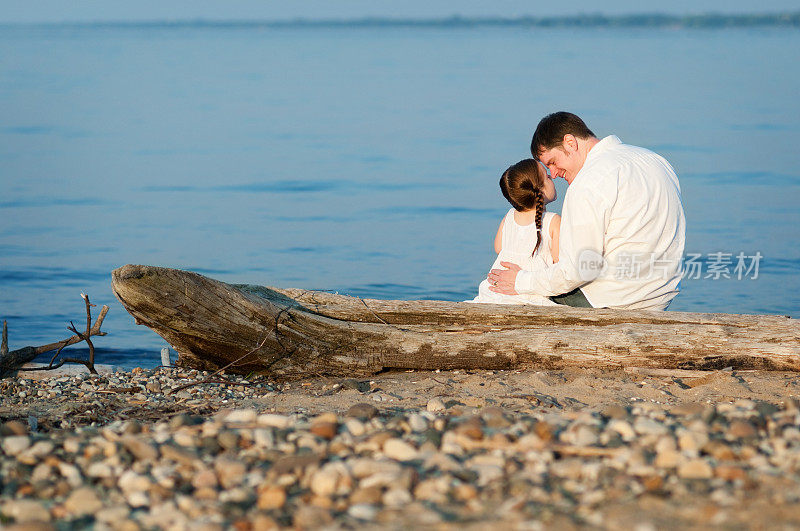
{"points": [[656, 20]]}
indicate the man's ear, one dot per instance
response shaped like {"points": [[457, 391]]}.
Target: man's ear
{"points": [[570, 143]]}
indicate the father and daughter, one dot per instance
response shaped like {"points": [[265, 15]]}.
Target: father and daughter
{"points": [[622, 237]]}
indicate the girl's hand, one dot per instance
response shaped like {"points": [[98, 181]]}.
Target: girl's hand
{"points": [[502, 280]]}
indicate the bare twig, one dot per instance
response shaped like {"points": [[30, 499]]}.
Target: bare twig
{"points": [[90, 362], [215, 373], [56, 355], [223, 381], [95, 331], [10, 361], [88, 332], [115, 390], [83, 337]]}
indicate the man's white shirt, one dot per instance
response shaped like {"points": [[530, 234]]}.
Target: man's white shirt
{"points": [[622, 232]]}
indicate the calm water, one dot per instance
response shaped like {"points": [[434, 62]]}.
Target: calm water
{"points": [[364, 160]]}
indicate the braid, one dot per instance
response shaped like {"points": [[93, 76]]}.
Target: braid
{"points": [[538, 219], [522, 185]]}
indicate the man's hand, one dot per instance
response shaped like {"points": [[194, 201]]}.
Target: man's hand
{"points": [[502, 280]]}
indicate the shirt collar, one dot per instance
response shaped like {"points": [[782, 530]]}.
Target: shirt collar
{"points": [[604, 144]]}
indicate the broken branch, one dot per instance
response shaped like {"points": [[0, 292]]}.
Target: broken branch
{"points": [[13, 360]]}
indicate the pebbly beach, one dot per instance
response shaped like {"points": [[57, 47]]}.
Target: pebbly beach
{"points": [[174, 448], [413, 259]]}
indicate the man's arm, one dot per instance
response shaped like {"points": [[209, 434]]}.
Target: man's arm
{"points": [[585, 217]]}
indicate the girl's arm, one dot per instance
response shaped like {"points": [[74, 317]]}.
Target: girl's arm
{"points": [[498, 240], [555, 229]]}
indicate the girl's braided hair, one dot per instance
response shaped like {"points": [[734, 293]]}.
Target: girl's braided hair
{"points": [[522, 185]]}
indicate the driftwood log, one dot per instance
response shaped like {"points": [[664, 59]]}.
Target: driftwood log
{"points": [[296, 333]]}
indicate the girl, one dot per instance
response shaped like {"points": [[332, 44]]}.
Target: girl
{"points": [[528, 232]]}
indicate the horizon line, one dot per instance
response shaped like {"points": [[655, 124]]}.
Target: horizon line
{"points": [[641, 19]]}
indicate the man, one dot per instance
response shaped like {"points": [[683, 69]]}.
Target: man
{"points": [[622, 230]]}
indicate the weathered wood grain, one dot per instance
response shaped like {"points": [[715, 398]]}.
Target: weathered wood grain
{"points": [[211, 324]]}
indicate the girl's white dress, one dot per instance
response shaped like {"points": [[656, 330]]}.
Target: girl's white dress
{"points": [[518, 244]]}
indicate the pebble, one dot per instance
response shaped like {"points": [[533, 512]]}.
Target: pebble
{"points": [[274, 421], [99, 470], [137, 498], [178, 455], [695, 469], [24, 511], [114, 514], [228, 439], [362, 411], [15, 444], [648, 426], [623, 428], [83, 501], [396, 497], [241, 416], [230, 472], [482, 460], [323, 482], [363, 511], [399, 450], [204, 479], [271, 497], [471, 428], [311, 517], [417, 423], [355, 427], [436, 405], [740, 429], [130, 481], [324, 429], [495, 417], [140, 449], [13, 427], [668, 459]]}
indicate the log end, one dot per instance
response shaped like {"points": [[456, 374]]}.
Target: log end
{"points": [[129, 272]]}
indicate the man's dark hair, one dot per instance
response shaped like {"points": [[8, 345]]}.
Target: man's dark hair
{"points": [[552, 128]]}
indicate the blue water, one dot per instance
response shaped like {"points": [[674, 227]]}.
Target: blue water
{"points": [[363, 160]]}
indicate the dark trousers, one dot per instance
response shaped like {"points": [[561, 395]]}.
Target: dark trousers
{"points": [[574, 298]]}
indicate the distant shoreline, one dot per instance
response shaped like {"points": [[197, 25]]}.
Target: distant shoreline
{"points": [[643, 20]]}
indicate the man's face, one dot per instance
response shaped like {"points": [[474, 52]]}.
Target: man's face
{"points": [[562, 161]]}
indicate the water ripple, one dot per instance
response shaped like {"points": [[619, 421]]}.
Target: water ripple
{"points": [[297, 187], [745, 178], [55, 201]]}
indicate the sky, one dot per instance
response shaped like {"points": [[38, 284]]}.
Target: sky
{"points": [[27, 11]]}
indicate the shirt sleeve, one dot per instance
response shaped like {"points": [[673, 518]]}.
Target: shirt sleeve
{"points": [[584, 219]]}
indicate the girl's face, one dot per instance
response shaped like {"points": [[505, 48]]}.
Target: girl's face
{"points": [[548, 189]]}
